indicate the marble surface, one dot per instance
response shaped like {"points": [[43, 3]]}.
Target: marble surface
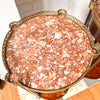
{"points": [[9, 13]]}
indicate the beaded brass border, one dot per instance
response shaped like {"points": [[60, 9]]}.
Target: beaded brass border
{"points": [[46, 13]]}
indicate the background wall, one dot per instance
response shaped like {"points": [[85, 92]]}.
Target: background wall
{"points": [[77, 8]]}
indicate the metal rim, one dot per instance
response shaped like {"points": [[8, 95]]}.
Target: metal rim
{"points": [[95, 16], [46, 13]]}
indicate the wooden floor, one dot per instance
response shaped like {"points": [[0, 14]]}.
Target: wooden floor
{"points": [[92, 93], [10, 92]]}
